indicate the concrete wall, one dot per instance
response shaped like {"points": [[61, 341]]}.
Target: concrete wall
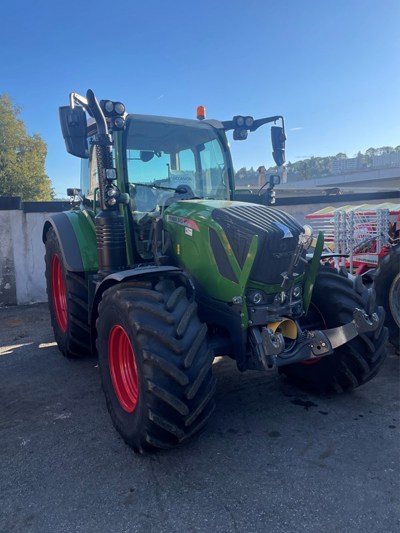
{"points": [[22, 278], [8, 289]]}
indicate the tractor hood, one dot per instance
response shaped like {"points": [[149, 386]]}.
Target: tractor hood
{"points": [[217, 241]]}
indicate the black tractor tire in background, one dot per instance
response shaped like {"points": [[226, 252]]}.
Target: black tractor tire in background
{"points": [[335, 296], [155, 364], [387, 288], [68, 302]]}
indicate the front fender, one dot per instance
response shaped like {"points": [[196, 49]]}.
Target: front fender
{"points": [[139, 273], [76, 234]]}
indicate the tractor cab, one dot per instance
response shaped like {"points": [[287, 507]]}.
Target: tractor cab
{"points": [[159, 160], [150, 162], [162, 154]]}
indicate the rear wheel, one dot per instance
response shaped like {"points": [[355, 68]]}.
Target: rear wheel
{"points": [[155, 364], [334, 299], [387, 287], [68, 302]]}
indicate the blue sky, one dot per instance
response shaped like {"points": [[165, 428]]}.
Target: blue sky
{"points": [[331, 67]]}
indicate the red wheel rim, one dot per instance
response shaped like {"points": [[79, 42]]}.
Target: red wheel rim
{"points": [[121, 360], [59, 293]]}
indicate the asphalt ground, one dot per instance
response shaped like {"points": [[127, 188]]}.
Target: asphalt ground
{"points": [[273, 459]]}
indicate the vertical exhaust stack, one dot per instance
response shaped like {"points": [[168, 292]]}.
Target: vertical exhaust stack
{"points": [[111, 242], [110, 228]]}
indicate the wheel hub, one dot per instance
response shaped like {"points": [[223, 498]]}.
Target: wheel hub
{"points": [[59, 293], [121, 359]]}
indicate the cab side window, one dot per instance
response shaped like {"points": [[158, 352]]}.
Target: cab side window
{"points": [[89, 176]]}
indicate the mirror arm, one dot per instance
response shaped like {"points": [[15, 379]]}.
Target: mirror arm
{"points": [[261, 121], [77, 98], [230, 124], [94, 109]]}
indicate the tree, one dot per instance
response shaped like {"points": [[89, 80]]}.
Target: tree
{"points": [[384, 150], [22, 157]]}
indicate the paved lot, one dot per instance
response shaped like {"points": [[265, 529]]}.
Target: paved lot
{"points": [[272, 459]]}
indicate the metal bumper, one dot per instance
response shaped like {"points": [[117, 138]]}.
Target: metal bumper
{"points": [[312, 344]]}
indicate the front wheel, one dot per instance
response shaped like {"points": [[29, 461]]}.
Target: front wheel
{"points": [[334, 299], [155, 364], [387, 287]]}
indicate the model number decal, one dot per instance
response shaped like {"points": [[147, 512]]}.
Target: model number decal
{"points": [[183, 221]]}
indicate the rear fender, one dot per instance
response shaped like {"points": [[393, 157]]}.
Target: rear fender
{"points": [[76, 234]]}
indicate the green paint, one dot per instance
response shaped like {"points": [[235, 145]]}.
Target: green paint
{"points": [[84, 229], [312, 271], [244, 277], [188, 224]]}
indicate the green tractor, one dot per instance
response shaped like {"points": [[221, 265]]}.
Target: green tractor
{"points": [[157, 269]]}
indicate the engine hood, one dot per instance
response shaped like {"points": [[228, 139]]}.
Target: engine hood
{"points": [[225, 230]]}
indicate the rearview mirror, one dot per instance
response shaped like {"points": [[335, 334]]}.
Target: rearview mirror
{"points": [[74, 130], [146, 156], [278, 139]]}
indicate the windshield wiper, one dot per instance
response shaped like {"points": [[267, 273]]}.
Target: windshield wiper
{"points": [[155, 186]]}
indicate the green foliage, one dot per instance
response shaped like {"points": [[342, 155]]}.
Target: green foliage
{"points": [[22, 157]]}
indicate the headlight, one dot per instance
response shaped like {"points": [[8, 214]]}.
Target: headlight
{"points": [[297, 291], [240, 121], [119, 108], [257, 298], [280, 298], [249, 121], [119, 123], [109, 106]]}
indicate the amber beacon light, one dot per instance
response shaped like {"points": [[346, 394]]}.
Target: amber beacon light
{"points": [[201, 112]]}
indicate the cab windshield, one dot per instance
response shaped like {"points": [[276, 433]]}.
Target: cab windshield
{"points": [[164, 153]]}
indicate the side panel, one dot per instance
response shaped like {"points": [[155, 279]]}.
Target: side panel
{"points": [[77, 236], [201, 248]]}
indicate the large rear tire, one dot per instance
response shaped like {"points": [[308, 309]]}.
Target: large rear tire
{"points": [[155, 364], [334, 299], [68, 302], [387, 287]]}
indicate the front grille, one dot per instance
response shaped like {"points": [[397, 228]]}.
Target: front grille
{"points": [[277, 232]]}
